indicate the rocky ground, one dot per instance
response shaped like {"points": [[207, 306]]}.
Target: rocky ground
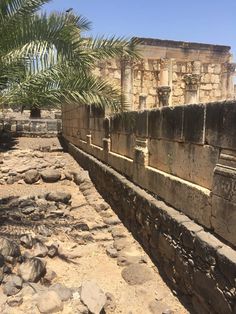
{"points": [[62, 248]]}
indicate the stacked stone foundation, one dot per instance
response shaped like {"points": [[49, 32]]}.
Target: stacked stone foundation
{"points": [[197, 264]]}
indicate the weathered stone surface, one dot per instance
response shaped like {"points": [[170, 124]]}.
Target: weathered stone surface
{"points": [[49, 302], [31, 176], [64, 293], [136, 274], [58, 196], [28, 210], [27, 241], [110, 305], [220, 124], [81, 177], [15, 300], [32, 269], [193, 123], [9, 248], [93, 297], [12, 285], [40, 250], [175, 229], [111, 251], [51, 175]]}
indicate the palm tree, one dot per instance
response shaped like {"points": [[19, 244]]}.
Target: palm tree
{"points": [[45, 61]]}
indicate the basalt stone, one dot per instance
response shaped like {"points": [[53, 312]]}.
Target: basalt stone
{"points": [[52, 250], [81, 177], [57, 196], [136, 274], [40, 250], [51, 175], [27, 241], [28, 210], [9, 248], [31, 176], [32, 269], [12, 285]]}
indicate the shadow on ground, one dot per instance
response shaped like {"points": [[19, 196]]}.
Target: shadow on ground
{"points": [[7, 141]]}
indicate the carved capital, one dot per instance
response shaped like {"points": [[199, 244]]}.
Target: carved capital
{"points": [[163, 93], [229, 68], [164, 64], [192, 81]]}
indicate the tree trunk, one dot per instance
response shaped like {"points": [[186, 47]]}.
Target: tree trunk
{"points": [[35, 113]]}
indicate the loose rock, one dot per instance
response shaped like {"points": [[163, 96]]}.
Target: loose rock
{"points": [[49, 302], [93, 297], [59, 197], [32, 269], [27, 241], [64, 293], [9, 248], [31, 176], [12, 285], [15, 300], [51, 175], [136, 274]]}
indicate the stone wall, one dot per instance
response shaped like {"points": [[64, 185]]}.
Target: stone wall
{"points": [[197, 264], [31, 127], [186, 155], [194, 73]]}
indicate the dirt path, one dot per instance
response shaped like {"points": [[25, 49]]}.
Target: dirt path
{"points": [[93, 248]]}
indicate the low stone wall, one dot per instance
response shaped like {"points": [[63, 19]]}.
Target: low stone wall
{"points": [[186, 155], [31, 127], [196, 263]]}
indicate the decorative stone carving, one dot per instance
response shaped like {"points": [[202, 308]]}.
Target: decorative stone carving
{"points": [[164, 64], [192, 81], [224, 196], [163, 93], [229, 68]]}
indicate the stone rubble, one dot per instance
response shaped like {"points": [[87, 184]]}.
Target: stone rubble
{"points": [[60, 216]]}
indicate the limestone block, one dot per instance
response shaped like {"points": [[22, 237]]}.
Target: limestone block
{"points": [[215, 79], [141, 125], [190, 199], [220, 124], [171, 123], [154, 125], [194, 124], [217, 69], [224, 218], [123, 144], [190, 162]]}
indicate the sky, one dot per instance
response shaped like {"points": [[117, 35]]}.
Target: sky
{"points": [[206, 21]]}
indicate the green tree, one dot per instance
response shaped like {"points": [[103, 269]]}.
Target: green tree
{"points": [[46, 61]]}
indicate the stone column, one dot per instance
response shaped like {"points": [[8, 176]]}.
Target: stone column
{"points": [[164, 90], [192, 82], [127, 84]]}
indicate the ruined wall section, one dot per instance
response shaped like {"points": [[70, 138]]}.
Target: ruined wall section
{"points": [[186, 155], [195, 73]]}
